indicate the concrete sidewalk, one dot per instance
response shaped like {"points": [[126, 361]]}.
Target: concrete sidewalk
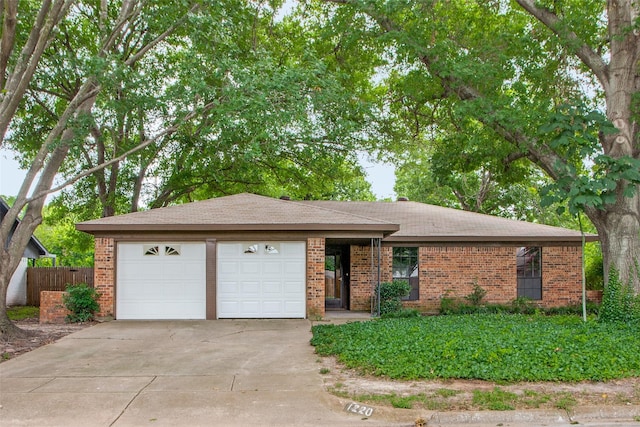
{"points": [[173, 373], [207, 373]]}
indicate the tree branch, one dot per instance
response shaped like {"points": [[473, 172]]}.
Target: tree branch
{"points": [[161, 37], [8, 36], [166, 132], [580, 48]]}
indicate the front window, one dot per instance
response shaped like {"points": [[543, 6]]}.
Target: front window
{"points": [[405, 267], [529, 262]]}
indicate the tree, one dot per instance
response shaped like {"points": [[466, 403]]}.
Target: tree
{"points": [[166, 102], [556, 82], [111, 38], [282, 123]]}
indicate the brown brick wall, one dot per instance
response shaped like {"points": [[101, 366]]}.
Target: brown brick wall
{"points": [[362, 279], [453, 270], [52, 308], [104, 274], [315, 277], [561, 276]]}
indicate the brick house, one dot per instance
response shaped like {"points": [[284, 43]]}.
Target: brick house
{"points": [[249, 256]]}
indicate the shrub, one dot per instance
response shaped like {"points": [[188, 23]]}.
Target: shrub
{"points": [[448, 305], [81, 301], [403, 313], [391, 294], [478, 294], [523, 305], [618, 301]]}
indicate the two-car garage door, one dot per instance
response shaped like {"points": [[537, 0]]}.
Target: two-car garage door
{"points": [[168, 280]]}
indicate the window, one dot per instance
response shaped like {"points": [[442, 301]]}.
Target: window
{"points": [[405, 267], [252, 249], [529, 265], [150, 250], [172, 250], [272, 249]]}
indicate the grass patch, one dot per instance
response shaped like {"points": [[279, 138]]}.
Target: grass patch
{"points": [[496, 400], [501, 348], [21, 312]]}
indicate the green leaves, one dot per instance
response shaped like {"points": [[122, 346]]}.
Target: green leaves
{"points": [[487, 347]]}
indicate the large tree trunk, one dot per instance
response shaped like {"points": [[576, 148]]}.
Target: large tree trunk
{"points": [[11, 253], [619, 225], [620, 240]]}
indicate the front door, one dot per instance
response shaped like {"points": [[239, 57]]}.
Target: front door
{"points": [[336, 277]]}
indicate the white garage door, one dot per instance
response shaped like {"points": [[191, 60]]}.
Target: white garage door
{"points": [[261, 279], [161, 281]]}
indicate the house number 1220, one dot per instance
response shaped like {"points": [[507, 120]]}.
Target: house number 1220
{"points": [[356, 408]]}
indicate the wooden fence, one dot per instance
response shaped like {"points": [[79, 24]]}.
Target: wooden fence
{"points": [[54, 279]]}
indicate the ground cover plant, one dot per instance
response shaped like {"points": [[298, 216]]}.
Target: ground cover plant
{"points": [[486, 347]]}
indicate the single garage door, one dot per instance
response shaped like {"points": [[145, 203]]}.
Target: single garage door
{"points": [[261, 279], [161, 281]]}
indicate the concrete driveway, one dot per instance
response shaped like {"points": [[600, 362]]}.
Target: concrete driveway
{"points": [[174, 373]]}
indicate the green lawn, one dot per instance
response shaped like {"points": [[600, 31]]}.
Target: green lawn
{"points": [[487, 347], [21, 312]]}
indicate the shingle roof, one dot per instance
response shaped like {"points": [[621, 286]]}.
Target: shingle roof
{"points": [[240, 212], [400, 221], [429, 223]]}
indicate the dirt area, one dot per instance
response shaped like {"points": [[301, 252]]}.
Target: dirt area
{"points": [[453, 395], [43, 335]]}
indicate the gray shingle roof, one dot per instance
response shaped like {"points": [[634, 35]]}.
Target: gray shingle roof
{"points": [[401, 221], [429, 223], [240, 212]]}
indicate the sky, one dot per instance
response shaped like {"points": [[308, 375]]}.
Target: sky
{"points": [[381, 176]]}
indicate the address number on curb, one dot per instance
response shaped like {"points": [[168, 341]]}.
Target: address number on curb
{"points": [[356, 408]]}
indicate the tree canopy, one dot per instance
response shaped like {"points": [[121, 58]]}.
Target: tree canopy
{"points": [[474, 91]]}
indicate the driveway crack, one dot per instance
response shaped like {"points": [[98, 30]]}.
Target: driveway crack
{"points": [[233, 382], [131, 401]]}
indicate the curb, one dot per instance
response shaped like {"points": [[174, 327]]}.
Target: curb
{"points": [[537, 416]]}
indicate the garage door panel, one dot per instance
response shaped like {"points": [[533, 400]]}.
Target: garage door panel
{"points": [[272, 288], [276, 272], [250, 308], [272, 308], [249, 268], [228, 267], [293, 307], [250, 289], [272, 267], [228, 288], [167, 282], [294, 268]]}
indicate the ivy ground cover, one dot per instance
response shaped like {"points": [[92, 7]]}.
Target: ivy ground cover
{"points": [[486, 347]]}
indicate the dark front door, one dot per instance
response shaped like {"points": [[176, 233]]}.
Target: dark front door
{"points": [[336, 277]]}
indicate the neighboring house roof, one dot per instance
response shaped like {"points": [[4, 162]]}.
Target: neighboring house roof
{"points": [[34, 249], [401, 221]]}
